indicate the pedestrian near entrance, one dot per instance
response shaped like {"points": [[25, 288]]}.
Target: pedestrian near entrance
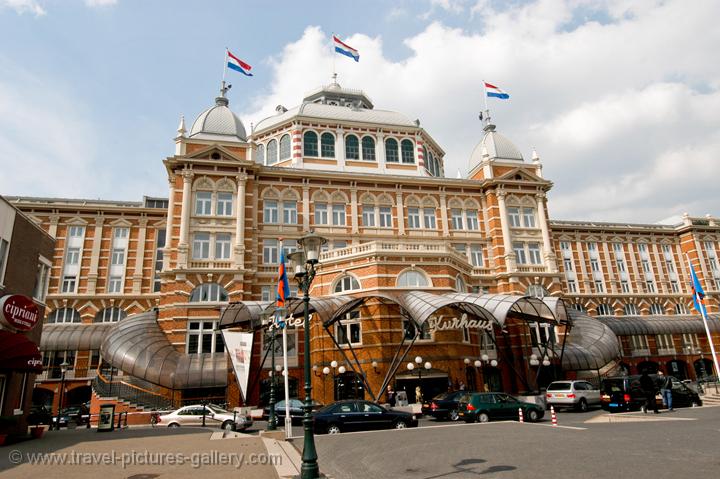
{"points": [[418, 395], [666, 391], [648, 386], [391, 396]]}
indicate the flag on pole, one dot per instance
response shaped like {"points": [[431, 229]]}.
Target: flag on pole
{"points": [[495, 92], [234, 63], [698, 293], [345, 49], [283, 289]]}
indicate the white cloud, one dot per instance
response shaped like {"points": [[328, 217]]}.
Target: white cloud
{"points": [[616, 109], [100, 3], [23, 6]]}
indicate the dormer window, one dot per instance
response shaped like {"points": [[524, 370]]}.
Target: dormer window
{"points": [[215, 156]]}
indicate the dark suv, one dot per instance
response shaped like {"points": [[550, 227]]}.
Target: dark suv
{"points": [[625, 394], [444, 405]]}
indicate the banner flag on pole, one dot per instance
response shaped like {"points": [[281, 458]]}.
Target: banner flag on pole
{"points": [[239, 347]]}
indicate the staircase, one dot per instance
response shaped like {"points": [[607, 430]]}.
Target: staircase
{"points": [[711, 398], [136, 396]]}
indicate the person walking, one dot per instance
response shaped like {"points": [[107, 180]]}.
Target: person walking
{"points": [[648, 386], [666, 390], [391, 396]]}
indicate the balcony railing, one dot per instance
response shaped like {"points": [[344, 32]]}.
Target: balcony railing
{"points": [[54, 373], [531, 269], [435, 249], [211, 264]]}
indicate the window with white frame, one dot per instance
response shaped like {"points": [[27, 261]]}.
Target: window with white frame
{"points": [[290, 212], [625, 286], [289, 246], [201, 246], [412, 279], [310, 143], [599, 286], [410, 330], [110, 315], [656, 309], [64, 315], [42, 278], [368, 148], [338, 215], [349, 329], [650, 286], [674, 286], [604, 309], [639, 344], [665, 343], [514, 216], [579, 307], [528, 216], [327, 145], [118, 256], [52, 361], [407, 151], [222, 246], [413, 218], [471, 219], [284, 147], [391, 151], [368, 216], [680, 308], [567, 264], [352, 147], [73, 254], [270, 211], [429, 218], [346, 283], [541, 334], [266, 293], [456, 218], [270, 251], [272, 152], [460, 285], [630, 309], [208, 293], [385, 215], [572, 286], [224, 204], [321, 213], [690, 342], [203, 337], [159, 256], [534, 253], [519, 250], [460, 248], [487, 340], [203, 203], [476, 256]]}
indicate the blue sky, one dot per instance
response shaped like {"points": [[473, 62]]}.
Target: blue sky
{"points": [[619, 99]]}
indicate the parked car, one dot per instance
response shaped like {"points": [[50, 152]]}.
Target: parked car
{"points": [[296, 410], [72, 416], [625, 394], [578, 395], [39, 415], [359, 415], [482, 407], [444, 405], [215, 416]]}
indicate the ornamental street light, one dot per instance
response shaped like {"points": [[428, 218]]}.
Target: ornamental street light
{"points": [[272, 417], [63, 369], [302, 263]]}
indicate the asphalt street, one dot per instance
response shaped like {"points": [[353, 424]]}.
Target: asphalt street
{"points": [[669, 445]]}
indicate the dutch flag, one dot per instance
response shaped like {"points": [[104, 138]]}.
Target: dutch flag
{"points": [[238, 65], [345, 49], [495, 92]]}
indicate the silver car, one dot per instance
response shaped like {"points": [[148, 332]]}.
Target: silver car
{"points": [[215, 416], [579, 395]]}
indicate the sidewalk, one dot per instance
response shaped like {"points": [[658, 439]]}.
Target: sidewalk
{"points": [[149, 453]]}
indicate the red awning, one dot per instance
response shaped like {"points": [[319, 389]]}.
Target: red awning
{"points": [[18, 353]]}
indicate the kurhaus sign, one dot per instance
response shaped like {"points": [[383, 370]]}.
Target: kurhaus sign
{"points": [[18, 312], [443, 324]]}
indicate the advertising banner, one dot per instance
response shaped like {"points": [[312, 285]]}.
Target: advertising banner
{"points": [[239, 347]]}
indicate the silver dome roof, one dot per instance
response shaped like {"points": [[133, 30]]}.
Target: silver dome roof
{"points": [[497, 147], [218, 123]]}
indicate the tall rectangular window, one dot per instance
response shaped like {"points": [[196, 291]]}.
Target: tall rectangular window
{"points": [[572, 286], [567, 264], [476, 256], [68, 284], [266, 293], [290, 212], [321, 213], [514, 217], [528, 217], [201, 246], [368, 216], [118, 258], [159, 256], [519, 249], [42, 278], [114, 284], [534, 253], [270, 211], [224, 204], [472, 220], [650, 285], [625, 286], [429, 218], [202, 337], [665, 343], [349, 330], [222, 246], [338, 215], [385, 214], [203, 203], [456, 218], [270, 251], [413, 218], [73, 254]]}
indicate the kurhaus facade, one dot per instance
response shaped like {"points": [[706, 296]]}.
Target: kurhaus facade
{"points": [[372, 182]]}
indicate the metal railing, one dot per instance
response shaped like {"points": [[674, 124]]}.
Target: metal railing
{"points": [[135, 394]]}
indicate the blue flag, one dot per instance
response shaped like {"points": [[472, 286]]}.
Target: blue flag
{"points": [[698, 293]]}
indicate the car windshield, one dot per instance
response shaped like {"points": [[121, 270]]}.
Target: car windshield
{"points": [[441, 396], [559, 386], [217, 409]]}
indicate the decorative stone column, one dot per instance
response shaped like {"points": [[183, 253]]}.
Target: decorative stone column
{"points": [[400, 212], [240, 221], [139, 256], [183, 247], [354, 208], [306, 206], [507, 242], [488, 232], [169, 223], [95, 255], [549, 253], [54, 220], [340, 147], [443, 214]]}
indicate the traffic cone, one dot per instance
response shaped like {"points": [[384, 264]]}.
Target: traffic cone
{"points": [[553, 416], [520, 415]]}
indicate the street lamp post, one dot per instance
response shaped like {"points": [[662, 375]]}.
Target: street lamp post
{"points": [[303, 264], [419, 361], [272, 417], [63, 369]]}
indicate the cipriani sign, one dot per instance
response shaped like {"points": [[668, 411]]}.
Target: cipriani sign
{"points": [[442, 323]]}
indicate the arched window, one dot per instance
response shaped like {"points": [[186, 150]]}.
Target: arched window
{"points": [[368, 148], [460, 285], [412, 279], [391, 151], [346, 283], [64, 315], [272, 152], [579, 307], [327, 145], [285, 147], [681, 309], [208, 293], [604, 309], [630, 310], [310, 144], [407, 151], [110, 315], [656, 308], [352, 148], [260, 154]]}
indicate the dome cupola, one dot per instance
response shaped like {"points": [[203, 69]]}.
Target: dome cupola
{"points": [[494, 146], [218, 122]]}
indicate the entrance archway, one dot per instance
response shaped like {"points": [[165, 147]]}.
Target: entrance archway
{"points": [[349, 385], [493, 379], [42, 397], [677, 368], [78, 395], [703, 368]]}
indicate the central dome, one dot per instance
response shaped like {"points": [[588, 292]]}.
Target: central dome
{"points": [[496, 146], [218, 123]]}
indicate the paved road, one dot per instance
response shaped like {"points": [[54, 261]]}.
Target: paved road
{"points": [[667, 445]]}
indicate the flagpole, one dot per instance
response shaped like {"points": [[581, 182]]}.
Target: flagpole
{"points": [[487, 109], [332, 50], [225, 65], [288, 418], [703, 313]]}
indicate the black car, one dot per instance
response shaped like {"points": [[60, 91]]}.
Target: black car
{"points": [[625, 394], [72, 416], [444, 405], [296, 410], [39, 415], [358, 415]]}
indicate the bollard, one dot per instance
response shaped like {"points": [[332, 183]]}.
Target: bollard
{"points": [[553, 416], [520, 415]]}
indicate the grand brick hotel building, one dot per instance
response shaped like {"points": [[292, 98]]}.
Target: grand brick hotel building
{"points": [[468, 275]]}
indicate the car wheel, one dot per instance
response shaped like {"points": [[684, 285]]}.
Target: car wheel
{"points": [[483, 417], [173, 424], [333, 429], [228, 426], [400, 425], [583, 405], [532, 415], [453, 415]]}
